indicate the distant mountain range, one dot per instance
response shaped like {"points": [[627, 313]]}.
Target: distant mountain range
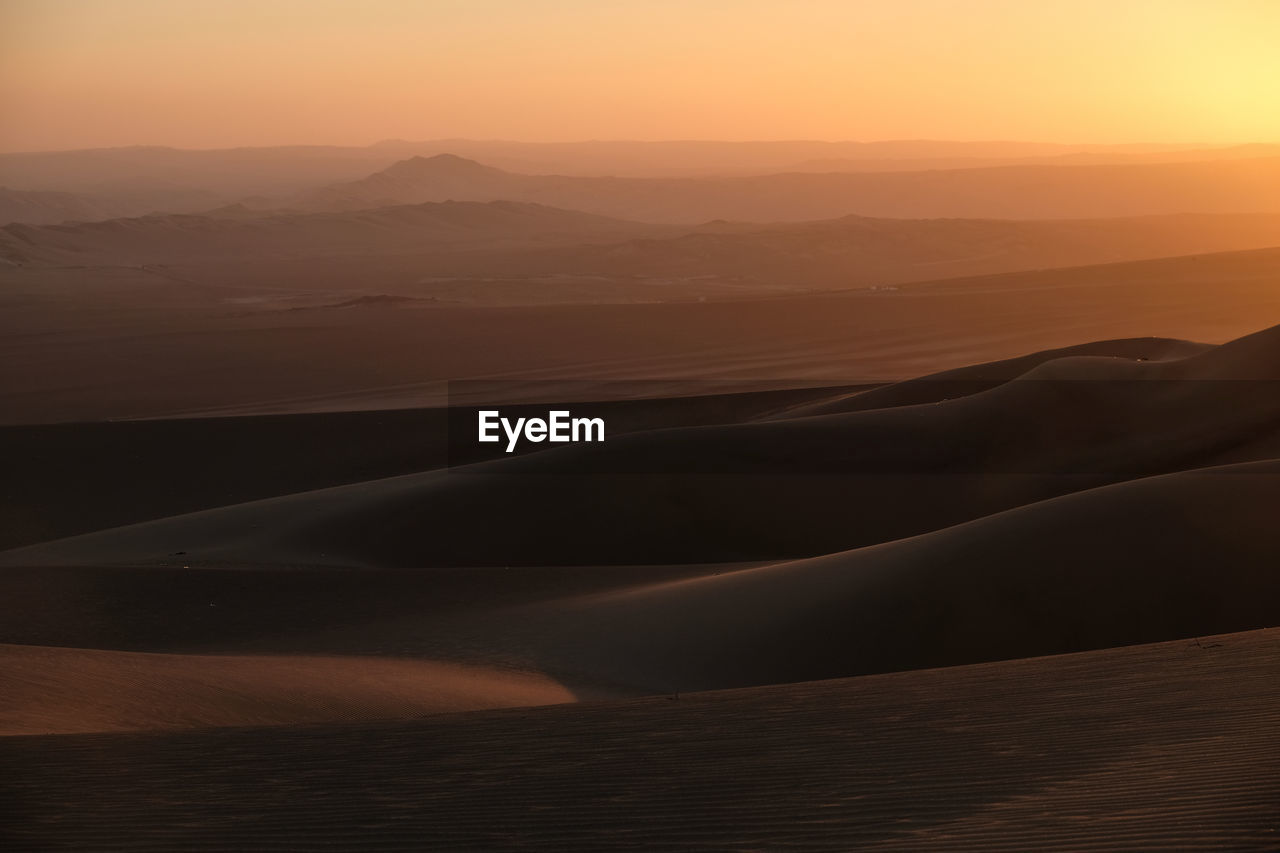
{"points": [[139, 180], [45, 207], [1013, 192]]}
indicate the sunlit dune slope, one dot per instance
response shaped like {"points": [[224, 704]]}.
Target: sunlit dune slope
{"points": [[962, 381], [61, 690]]}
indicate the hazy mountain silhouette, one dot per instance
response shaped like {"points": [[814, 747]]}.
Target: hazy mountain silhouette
{"points": [[114, 177], [43, 207], [1019, 192]]}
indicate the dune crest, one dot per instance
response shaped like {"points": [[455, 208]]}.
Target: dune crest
{"points": [[777, 489]]}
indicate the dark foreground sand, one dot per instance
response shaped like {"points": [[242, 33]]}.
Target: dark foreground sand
{"points": [[1174, 746], [318, 669]]}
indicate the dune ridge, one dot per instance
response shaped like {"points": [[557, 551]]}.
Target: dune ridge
{"points": [[1071, 505], [765, 489]]}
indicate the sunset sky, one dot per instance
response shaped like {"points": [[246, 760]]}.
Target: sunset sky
{"points": [[214, 73]]}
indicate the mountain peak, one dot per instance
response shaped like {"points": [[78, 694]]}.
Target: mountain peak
{"points": [[440, 164]]}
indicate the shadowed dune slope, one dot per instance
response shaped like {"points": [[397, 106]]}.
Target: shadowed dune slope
{"points": [[128, 472], [757, 491], [1156, 558], [131, 471], [1152, 559], [1162, 747]]}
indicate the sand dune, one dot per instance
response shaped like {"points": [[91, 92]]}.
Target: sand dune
{"points": [[963, 381], [1081, 498], [1152, 747], [1105, 567], [942, 531], [131, 471], [765, 490], [1101, 567], [126, 470], [61, 690]]}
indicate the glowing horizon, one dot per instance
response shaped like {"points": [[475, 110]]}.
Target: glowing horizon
{"points": [[200, 74]]}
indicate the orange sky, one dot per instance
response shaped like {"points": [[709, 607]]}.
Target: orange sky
{"points": [[213, 73]]}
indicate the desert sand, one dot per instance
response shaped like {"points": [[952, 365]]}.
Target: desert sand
{"points": [[981, 562], [105, 691], [1168, 746], [875, 524], [778, 488], [752, 579], [579, 426], [117, 342]]}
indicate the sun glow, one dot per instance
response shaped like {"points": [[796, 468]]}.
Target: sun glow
{"points": [[204, 74]]}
